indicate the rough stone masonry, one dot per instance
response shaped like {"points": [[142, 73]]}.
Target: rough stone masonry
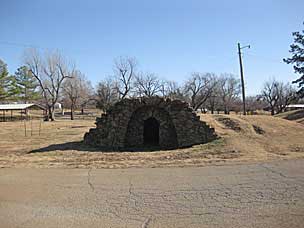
{"points": [[145, 122]]}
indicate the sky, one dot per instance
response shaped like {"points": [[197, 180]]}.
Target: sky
{"points": [[171, 38]]}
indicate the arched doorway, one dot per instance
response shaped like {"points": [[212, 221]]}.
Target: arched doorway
{"points": [[140, 130], [151, 132]]}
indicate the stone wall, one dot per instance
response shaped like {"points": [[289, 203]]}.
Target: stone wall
{"points": [[122, 126]]}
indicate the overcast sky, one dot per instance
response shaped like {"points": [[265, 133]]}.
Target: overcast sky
{"points": [[168, 37]]}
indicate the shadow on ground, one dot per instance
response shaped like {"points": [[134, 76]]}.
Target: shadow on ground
{"points": [[295, 115], [76, 145], [80, 146]]}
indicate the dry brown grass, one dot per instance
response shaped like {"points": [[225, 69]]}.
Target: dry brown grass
{"points": [[59, 145]]}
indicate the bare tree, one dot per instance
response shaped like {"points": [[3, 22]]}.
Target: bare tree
{"points": [[269, 94], [147, 84], [253, 103], [287, 94], [50, 70], [107, 93], [277, 95], [170, 89], [124, 69], [229, 89], [77, 90], [213, 102], [199, 88]]}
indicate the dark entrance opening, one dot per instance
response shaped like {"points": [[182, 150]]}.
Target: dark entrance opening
{"points": [[151, 132]]}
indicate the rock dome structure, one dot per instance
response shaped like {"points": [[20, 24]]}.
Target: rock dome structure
{"points": [[145, 122]]}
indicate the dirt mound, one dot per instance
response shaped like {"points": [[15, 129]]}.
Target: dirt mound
{"points": [[259, 137], [294, 115]]}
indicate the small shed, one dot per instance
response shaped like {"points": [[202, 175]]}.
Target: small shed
{"points": [[9, 111]]}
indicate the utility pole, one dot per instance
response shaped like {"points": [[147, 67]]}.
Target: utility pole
{"points": [[242, 75]]}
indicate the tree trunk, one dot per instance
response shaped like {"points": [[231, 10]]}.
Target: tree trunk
{"points": [[47, 115], [192, 104], [62, 110], [51, 114], [72, 112], [212, 108], [193, 107], [225, 110], [272, 111]]}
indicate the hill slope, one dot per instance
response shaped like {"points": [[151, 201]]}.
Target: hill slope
{"points": [[259, 137], [294, 115]]}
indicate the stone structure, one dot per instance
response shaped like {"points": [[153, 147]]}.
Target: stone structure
{"points": [[142, 122]]}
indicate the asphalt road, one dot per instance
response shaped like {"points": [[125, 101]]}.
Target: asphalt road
{"points": [[254, 195]]}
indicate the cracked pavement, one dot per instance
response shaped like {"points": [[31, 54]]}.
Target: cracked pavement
{"points": [[243, 195]]}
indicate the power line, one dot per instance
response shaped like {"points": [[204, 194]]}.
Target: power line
{"points": [[264, 58], [19, 45], [23, 45]]}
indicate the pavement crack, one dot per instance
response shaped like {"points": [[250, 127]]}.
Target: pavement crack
{"points": [[146, 223], [273, 171], [89, 180]]}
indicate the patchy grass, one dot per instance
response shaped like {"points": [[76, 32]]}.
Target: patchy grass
{"points": [[59, 144], [229, 123], [258, 129]]}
